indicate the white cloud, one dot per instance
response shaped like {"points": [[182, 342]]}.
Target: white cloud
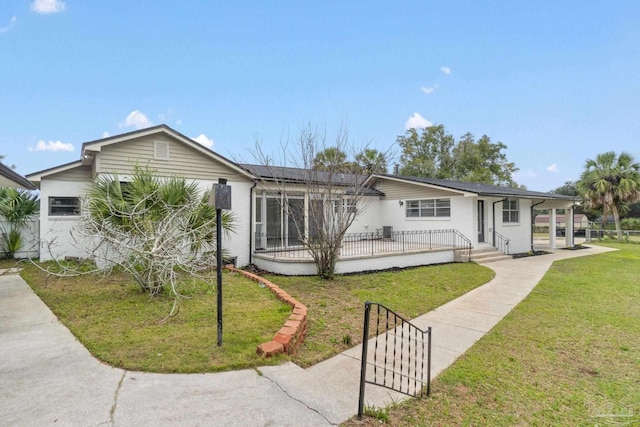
{"points": [[10, 25], [445, 70], [137, 120], [47, 6], [106, 134], [52, 146], [552, 168], [429, 89], [204, 140], [416, 121]]}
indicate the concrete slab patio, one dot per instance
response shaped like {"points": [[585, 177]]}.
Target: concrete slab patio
{"points": [[48, 377]]}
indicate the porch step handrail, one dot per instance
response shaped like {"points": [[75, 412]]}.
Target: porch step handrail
{"points": [[464, 243], [501, 243]]}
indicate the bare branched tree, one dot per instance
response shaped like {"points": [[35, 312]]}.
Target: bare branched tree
{"points": [[334, 194], [157, 230]]}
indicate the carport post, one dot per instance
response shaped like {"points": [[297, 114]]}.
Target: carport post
{"points": [[552, 228]]}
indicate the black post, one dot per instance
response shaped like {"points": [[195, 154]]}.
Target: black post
{"points": [[363, 363], [429, 363], [221, 200], [219, 270]]}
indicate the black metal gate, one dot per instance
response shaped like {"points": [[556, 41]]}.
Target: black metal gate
{"points": [[401, 359]]}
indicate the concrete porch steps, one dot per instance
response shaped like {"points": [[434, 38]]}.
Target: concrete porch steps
{"points": [[487, 254]]}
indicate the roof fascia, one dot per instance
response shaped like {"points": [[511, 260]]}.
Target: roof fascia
{"points": [[37, 176], [19, 180]]}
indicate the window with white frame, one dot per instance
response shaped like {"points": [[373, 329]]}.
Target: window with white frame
{"points": [[350, 206], [510, 211], [428, 208], [64, 206]]}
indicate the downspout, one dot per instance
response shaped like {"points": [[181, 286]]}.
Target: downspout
{"points": [[251, 234], [533, 223], [493, 219]]}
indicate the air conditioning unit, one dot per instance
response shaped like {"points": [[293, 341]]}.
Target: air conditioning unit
{"points": [[387, 231]]}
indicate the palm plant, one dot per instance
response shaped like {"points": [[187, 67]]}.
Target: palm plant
{"points": [[611, 182], [152, 227], [332, 159], [371, 160], [17, 207]]}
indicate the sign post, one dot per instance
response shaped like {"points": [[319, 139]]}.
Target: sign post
{"points": [[221, 198]]}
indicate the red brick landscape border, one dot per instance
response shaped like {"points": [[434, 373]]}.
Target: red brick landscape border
{"points": [[291, 335]]}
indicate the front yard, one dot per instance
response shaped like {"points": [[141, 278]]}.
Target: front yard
{"points": [[569, 354], [125, 328]]}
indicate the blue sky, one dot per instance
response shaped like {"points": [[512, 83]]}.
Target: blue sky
{"points": [[558, 82]]}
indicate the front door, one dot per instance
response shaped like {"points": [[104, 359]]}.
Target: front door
{"points": [[480, 221]]}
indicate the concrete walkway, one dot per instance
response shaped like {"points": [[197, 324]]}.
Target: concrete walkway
{"points": [[47, 377]]}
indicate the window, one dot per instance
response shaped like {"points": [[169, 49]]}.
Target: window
{"points": [[510, 211], [64, 206], [349, 206], [429, 208]]}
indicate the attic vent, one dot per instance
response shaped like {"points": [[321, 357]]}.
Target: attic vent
{"points": [[161, 150]]}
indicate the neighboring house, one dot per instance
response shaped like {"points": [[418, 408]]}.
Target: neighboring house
{"points": [[401, 221], [580, 221], [9, 178], [29, 249]]}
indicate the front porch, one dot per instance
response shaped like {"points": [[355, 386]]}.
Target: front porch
{"points": [[368, 251]]}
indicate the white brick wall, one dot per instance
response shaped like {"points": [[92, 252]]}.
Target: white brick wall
{"points": [[351, 265], [56, 241]]}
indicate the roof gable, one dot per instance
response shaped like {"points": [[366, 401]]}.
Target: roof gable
{"points": [[91, 148]]}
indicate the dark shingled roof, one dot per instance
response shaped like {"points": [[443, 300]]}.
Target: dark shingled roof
{"points": [[483, 189], [7, 172], [301, 176]]}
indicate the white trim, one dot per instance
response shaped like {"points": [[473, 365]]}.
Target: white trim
{"points": [[37, 176]]}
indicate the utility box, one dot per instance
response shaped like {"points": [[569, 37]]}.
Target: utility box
{"points": [[387, 231]]}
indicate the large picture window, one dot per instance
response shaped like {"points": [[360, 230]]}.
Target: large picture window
{"points": [[429, 208], [510, 211], [64, 206]]}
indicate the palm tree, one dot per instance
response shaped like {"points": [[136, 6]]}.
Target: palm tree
{"points": [[17, 207], [611, 182], [331, 159], [371, 160]]}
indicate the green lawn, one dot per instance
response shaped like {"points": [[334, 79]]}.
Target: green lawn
{"points": [[123, 326], [569, 354], [336, 308]]}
